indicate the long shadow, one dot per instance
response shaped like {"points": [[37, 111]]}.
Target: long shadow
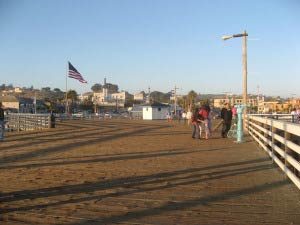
{"points": [[50, 133], [58, 136], [67, 147], [82, 124], [137, 185], [71, 127], [111, 158], [118, 182], [184, 205], [61, 126], [118, 154], [166, 134]]}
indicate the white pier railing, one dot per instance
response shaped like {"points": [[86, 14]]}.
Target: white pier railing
{"points": [[280, 139], [26, 121]]}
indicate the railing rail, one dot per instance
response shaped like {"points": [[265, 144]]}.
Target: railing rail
{"points": [[27, 121], [284, 117], [280, 139]]}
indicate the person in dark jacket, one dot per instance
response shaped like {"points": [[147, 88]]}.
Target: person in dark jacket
{"points": [[226, 116], [1, 122], [195, 122]]}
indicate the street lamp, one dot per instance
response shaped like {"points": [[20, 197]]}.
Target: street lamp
{"points": [[244, 35]]}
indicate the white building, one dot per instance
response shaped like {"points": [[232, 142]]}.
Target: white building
{"points": [[107, 99], [85, 96], [155, 111]]}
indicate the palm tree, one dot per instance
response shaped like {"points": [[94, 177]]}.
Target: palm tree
{"points": [[72, 94], [192, 95]]}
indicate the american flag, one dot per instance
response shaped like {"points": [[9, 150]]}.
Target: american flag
{"points": [[73, 73]]}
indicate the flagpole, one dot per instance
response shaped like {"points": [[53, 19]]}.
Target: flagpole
{"points": [[66, 97]]}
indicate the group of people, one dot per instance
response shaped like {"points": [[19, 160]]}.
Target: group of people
{"points": [[202, 121], [296, 115]]}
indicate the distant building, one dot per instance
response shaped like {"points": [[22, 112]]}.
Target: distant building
{"points": [[155, 111], [105, 98], [110, 88], [172, 97], [85, 96], [110, 96], [294, 102], [219, 102], [272, 107], [14, 104], [139, 96], [26, 105], [16, 90], [10, 102], [122, 97]]}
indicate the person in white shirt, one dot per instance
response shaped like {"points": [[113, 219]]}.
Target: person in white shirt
{"points": [[183, 116], [189, 116], [295, 115]]}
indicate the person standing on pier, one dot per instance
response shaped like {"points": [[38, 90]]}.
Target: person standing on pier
{"points": [[196, 122], [1, 123], [203, 116], [189, 116], [226, 116]]}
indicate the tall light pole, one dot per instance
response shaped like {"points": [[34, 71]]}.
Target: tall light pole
{"points": [[244, 35]]}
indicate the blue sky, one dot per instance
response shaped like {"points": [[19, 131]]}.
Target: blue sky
{"points": [[152, 43]]}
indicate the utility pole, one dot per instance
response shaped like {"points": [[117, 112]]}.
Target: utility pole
{"points": [[117, 109], [175, 100], [34, 102], [148, 101]]}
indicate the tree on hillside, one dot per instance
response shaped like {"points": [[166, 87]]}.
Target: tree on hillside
{"points": [[9, 87], [57, 90], [45, 89], [183, 103], [96, 87], [157, 96], [191, 98], [2, 87]]}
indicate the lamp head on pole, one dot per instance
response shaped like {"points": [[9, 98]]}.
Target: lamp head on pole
{"points": [[226, 37]]}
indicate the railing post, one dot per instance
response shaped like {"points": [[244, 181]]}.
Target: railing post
{"points": [[293, 118], [265, 126], [49, 121], [274, 130], [18, 122], [287, 137]]}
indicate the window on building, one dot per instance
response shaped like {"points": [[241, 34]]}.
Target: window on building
{"points": [[159, 109]]}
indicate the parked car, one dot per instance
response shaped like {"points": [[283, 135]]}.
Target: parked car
{"points": [[107, 115]]}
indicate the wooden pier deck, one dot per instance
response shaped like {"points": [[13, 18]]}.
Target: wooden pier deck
{"points": [[89, 172]]}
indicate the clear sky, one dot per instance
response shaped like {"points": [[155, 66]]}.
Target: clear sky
{"points": [[152, 43]]}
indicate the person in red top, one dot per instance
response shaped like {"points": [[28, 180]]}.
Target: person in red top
{"points": [[234, 113], [204, 121]]}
